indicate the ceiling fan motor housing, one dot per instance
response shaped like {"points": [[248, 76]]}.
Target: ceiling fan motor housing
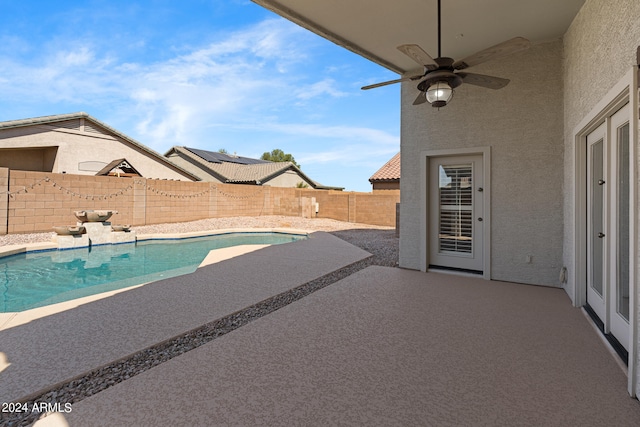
{"points": [[444, 73]]}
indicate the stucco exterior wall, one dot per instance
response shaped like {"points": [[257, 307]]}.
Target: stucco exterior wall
{"points": [[287, 179], [600, 48], [77, 146], [28, 159], [386, 185], [522, 124]]}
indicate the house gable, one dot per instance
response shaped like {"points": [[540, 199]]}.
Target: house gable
{"points": [[82, 145]]}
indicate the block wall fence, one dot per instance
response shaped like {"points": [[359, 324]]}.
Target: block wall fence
{"points": [[36, 201]]}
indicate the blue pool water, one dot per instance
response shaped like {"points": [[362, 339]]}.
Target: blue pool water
{"points": [[37, 279]]}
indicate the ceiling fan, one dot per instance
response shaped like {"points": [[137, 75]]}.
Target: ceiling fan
{"points": [[441, 75]]}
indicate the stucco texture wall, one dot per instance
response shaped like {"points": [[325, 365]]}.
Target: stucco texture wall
{"points": [[77, 146], [522, 124], [288, 179], [599, 49]]}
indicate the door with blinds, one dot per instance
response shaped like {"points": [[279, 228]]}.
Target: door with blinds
{"points": [[456, 207]]}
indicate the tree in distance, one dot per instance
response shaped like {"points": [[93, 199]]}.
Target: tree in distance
{"points": [[278, 155]]}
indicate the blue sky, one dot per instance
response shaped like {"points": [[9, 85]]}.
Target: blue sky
{"points": [[207, 74]]}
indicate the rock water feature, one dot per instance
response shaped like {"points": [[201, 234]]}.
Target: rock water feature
{"points": [[93, 228]]}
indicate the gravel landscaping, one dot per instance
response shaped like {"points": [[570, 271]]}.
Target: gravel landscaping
{"points": [[378, 240], [381, 242]]}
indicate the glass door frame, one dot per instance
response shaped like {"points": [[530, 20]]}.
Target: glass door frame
{"points": [[616, 324], [574, 279], [598, 235], [471, 260]]}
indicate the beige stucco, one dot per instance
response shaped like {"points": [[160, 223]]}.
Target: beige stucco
{"points": [[82, 151], [600, 48], [522, 126], [29, 159], [385, 185], [287, 179]]}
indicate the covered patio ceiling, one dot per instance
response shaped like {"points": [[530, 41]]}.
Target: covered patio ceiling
{"points": [[373, 29]]}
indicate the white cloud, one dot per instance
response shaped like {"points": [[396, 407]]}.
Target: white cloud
{"points": [[350, 155], [323, 87], [348, 146], [356, 134], [228, 80], [241, 73], [72, 74], [68, 59]]}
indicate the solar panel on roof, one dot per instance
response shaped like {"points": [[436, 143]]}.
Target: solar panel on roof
{"points": [[215, 157]]}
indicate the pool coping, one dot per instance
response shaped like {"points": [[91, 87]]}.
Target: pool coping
{"points": [[16, 318], [9, 250]]}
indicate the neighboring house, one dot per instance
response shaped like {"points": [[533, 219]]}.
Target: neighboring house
{"points": [[388, 176], [541, 176], [232, 169], [80, 144]]}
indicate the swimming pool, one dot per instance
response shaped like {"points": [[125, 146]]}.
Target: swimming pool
{"points": [[37, 279]]}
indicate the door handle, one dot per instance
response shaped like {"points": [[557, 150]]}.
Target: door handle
{"points": [[601, 182], [600, 235]]}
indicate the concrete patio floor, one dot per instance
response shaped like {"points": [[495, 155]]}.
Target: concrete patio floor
{"points": [[53, 349], [385, 347]]}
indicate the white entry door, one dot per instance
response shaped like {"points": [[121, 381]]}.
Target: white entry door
{"points": [[608, 262], [456, 213]]}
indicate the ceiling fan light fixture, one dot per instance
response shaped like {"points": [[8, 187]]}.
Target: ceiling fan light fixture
{"points": [[441, 75], [439, 94]]}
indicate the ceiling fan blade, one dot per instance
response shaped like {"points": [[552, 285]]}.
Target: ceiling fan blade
{"points": [[484, 81], [516, 44], [390, 82], [421, 99], [416, 53]]}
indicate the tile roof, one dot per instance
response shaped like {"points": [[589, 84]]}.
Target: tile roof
{"points": [[389, 172], [243, 170], [254, 173]]}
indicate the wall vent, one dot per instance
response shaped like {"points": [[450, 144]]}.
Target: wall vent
{"points": [[89, 127], [68, 124]]}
